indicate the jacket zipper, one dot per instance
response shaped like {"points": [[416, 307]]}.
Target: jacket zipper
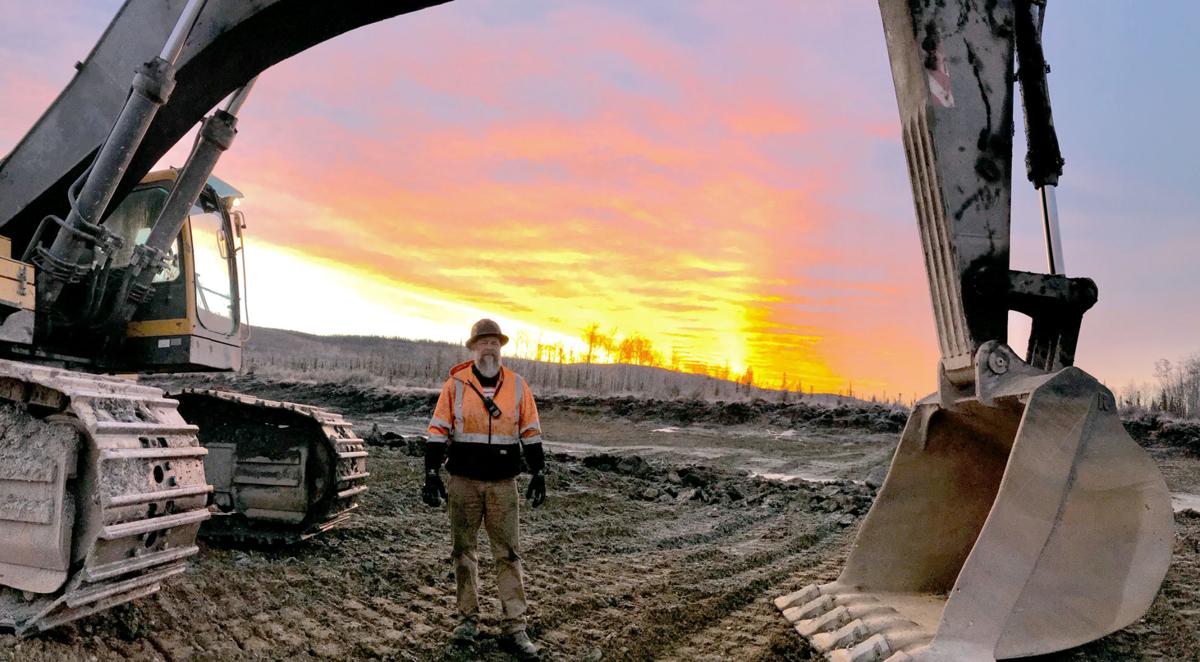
{"points": [[499, 383]]}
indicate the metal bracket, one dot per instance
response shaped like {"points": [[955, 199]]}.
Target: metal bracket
{"points": [[997, 366]]}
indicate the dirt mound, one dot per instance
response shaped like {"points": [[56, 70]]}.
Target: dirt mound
{"points": [[630, 559], [676, 484], [610, 573], [348, 398], [1153, 429], [875, 418], [413, 444], [359, 399]]}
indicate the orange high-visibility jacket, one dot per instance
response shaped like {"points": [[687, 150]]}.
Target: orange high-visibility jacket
{"points": [[479, 445]]}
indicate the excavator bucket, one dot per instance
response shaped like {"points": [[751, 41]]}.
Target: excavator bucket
{"points": [[1021, 523]]}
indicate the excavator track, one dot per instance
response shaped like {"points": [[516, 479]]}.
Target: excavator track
{"points": [[283, 472], [102, 494]]}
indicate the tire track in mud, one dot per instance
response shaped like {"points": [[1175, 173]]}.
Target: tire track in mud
{"points": [[756, 630], [719, 609], [604, 571], [693, 576]]}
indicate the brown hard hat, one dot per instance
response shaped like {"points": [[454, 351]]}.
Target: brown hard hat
{"points": [[486, 327]]}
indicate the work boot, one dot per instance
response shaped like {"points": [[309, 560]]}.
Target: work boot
{"points": [[466, 632], [519, 645]]}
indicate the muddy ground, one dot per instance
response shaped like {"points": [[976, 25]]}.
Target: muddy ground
{"points": [[660, 539]]}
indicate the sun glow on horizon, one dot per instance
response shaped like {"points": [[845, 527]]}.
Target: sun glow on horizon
{"points": [[330, 298], [358, 302], [351, 301]]}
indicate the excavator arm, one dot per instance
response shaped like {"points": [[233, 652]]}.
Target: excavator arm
{"points": [[954, 76], [1018, 517]]}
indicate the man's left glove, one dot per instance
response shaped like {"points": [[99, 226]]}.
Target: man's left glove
{"points": [[536, 490], [433, 489]]}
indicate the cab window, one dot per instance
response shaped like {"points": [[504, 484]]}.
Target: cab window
{"points": [[132, 222], [214, 273]]}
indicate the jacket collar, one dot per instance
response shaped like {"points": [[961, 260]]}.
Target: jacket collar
{"points": [[463, 373]]}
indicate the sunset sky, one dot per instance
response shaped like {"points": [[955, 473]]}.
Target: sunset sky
{"points": [[728, 183]]}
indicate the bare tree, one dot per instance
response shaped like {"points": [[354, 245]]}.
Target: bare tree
{"points": [[747, 379], [592, 338], [1179, 387]]}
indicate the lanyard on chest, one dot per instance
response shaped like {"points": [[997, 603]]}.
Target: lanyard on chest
{"points": [[488, 402]]}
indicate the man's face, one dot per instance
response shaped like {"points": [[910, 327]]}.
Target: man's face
{"points": [[486, 352]]}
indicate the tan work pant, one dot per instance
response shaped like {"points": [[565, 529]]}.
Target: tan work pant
{"points": [[495, 504]]}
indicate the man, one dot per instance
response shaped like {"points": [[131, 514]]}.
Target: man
{"points": [[484, 417]]}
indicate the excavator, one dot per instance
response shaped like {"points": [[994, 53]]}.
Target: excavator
{"points": [[108, 269], [1017, 517]]}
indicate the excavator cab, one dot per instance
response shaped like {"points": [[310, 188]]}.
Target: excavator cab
{"points": [[192, 320], [280, 471]]}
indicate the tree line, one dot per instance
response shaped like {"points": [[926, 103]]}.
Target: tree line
{"points": [[1176, 391], [608, 365]]}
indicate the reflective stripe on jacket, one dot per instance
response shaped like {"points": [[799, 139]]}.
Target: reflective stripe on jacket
{"points": [[480, 446]]}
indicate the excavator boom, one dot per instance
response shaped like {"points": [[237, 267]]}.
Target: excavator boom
{"points": [[229, 44]]}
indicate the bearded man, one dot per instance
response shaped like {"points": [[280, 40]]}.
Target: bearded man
{"points": [[484, 419]]}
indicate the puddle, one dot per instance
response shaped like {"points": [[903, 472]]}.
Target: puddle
{"points": [[784, 478], [668, 429], [705, 453], [1181, 501], [782, 469], [400, 425]]}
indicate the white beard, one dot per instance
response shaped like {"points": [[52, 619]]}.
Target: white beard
{"points": [[488, 365]]}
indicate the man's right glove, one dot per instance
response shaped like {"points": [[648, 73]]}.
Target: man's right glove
{"points": [[433, 489], [536, 490]]}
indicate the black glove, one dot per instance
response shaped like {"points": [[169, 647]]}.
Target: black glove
{"points": [[433, 488], [536, 490]]}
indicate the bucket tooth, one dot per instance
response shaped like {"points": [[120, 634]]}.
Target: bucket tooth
{"points": [[865, 623], [810, 610], [830, 620], [874, 649], [844, 637], [893, 646], [797, 598]]}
